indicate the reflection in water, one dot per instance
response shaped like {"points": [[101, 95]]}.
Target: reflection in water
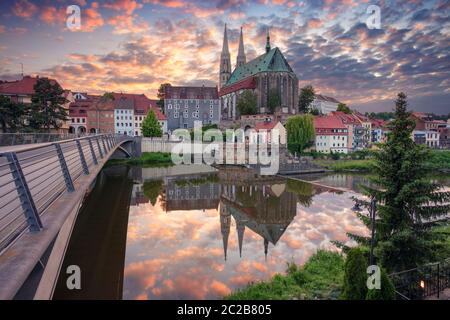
{"points": [[192, 232], [203, 235]]}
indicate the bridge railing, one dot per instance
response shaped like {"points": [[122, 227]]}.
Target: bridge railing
{"points": [[14, 139], [422, 282], [33, 178]]}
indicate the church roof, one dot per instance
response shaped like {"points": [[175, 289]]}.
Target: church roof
{"points": [[268, 62]]}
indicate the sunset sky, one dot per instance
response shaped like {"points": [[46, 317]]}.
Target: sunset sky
{"points": [[134, 45]]}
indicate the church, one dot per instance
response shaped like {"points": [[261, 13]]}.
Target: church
{"points": [[263, 75]]}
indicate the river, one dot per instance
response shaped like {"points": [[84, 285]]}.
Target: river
{"points": [[199, 233]]}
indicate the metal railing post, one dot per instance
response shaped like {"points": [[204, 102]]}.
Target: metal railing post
{"points": [[82, 158], [99, 149], [64, 168], [104, 145], [108, 139], [94, 157], [25, 197]]}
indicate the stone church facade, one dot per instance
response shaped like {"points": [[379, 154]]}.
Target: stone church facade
{"points": [[262, 75]]}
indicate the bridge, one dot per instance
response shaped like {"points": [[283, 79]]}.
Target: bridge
{"points": [[42, 187]]}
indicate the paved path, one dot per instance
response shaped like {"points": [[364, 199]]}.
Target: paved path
{"points": [[444, 295]]}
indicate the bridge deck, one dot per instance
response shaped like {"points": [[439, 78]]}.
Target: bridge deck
{"points": [[29, 229]]}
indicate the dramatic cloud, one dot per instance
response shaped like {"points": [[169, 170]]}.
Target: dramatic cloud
{"points": [[327, 43]]}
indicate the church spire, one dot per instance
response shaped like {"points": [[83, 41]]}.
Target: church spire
{"points": [[225, 63], [266, 248], [241, 59], [225, 42], [225, 223], [240, 226], [268, 41]]}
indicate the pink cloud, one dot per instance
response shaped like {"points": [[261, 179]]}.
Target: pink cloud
{"points": [[127, 6], [24, 9]]}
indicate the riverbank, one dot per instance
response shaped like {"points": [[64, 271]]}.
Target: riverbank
{"points": [[147, 159], [439, 160], [321, 277]]}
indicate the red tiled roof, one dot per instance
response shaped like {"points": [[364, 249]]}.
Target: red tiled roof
{"points": [[247, 83], [378, 123], [326, 98], [159, 115], [266, 125], [328, 122], [345, 117], [187, 92], [20, 87]]}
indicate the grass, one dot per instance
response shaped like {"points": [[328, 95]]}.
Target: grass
{"points": [[319, 278], [439, 160], [346, 165], [147, 159]]}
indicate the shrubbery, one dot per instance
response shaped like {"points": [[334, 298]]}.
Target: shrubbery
{"points": [[355, 276]]}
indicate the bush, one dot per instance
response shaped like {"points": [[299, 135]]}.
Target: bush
{"points": [[355, 276], [386, 291]]}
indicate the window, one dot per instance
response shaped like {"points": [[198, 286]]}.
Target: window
{"points": [[175, 114], [185, 125]]}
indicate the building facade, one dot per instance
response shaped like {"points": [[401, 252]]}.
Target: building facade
{"points": [[185, 105], [267, 74], [324, 104], [332, 135], [357, 133], [21, 91]]}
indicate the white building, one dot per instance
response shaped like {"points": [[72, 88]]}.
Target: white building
{"points": [[331, 135], [124, 120], [432, 139], [324, 104]]}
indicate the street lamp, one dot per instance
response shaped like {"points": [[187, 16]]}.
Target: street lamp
{"points": [[372, 213]]}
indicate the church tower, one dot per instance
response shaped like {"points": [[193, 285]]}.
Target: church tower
{"points": [[267, 41], [225, 61], [241, 59]]}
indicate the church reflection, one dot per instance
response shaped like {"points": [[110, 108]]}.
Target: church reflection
{"points": [[265, 205]]}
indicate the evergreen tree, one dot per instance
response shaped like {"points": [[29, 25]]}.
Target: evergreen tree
{"points": [[409, 204], [355, 276], [247, 103], [300, 132], [343, 108], [11, 114], [151, 126], [307, 96], [161, 96], [47, 105], [274, 100], [386, 291]]}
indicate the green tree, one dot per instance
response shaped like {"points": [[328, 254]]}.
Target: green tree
{"points": [[11, 114], [307, 96], [47, 105], [151, 126], [355, 276], [274, 100], [152, 189], [386, 291], [247, 103], [161, 95], [409, 204], [300, 132], [344, 108]]}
